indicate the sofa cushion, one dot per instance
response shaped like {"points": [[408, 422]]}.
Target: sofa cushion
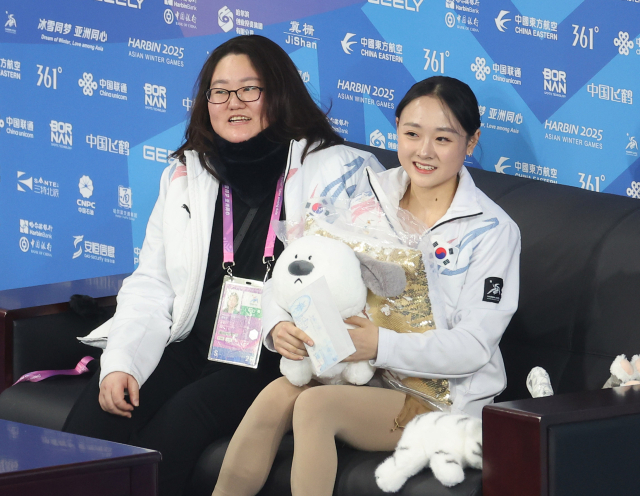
{"points": [[354, 477]]}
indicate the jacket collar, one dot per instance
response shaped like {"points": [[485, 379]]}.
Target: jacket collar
{"points": [[395, 182]]}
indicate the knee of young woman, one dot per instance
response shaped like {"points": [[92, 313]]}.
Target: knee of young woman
{"points": [[313, 407]]}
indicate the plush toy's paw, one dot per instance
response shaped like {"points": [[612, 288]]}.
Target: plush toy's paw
{"points": [[388, 477], [538, 383], [635, 365], [358, 373], [298, 372], [621, 372], [447, 469]]}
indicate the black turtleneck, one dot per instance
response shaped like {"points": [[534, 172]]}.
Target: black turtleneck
{"points": [[252, 169]]}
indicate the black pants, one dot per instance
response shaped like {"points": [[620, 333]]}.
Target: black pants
{"points": [[187, 403]]}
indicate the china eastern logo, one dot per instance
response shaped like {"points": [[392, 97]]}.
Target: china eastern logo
{"points": [[346, 44], [500, 168], [501, 20], [155, 97], [225, 19]]}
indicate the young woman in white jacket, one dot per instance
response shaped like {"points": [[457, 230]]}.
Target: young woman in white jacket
{"points": [[252, 123], [476, 248]]}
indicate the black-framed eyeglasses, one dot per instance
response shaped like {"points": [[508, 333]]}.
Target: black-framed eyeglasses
{"points": [[245, 94]]}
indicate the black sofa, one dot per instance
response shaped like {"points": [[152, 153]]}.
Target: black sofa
{"points": [[579, 308]]}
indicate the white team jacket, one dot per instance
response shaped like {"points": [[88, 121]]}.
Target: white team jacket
{"points": [[477, 285], [158, 303]]}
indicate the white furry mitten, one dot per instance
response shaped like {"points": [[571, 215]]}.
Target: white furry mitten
{"points": [[446, 442]]}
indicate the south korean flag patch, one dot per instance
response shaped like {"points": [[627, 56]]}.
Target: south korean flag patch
{"points": [[444, 252], [493, 289]]}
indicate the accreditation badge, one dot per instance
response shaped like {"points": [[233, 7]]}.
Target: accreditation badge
{"points": [[237, 332]]}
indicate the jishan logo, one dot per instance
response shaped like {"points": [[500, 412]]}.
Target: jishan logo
{"points": [[555, 82], [225, 19], [61, 134], [377, 139], [155, 97]]}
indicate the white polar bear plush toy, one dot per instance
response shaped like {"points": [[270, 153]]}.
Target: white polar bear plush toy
{"points": [[348, 275], [443, 441]]}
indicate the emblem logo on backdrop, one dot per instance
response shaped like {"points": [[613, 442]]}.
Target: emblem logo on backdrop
{"points": [[225, 19], [481, 68], [377, 139], [346, 44], [86, 186], [61, 134], [500, 20], [632, 145], [501, 168], [11, 25], [124, 197], [168, 15], [87, 84]]}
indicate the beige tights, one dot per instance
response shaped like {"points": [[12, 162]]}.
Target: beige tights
{"points": [[361, 416]]}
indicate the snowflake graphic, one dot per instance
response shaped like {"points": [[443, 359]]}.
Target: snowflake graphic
{"points": [[87, 84], [623, 43], [634, 190], [480, 68]]}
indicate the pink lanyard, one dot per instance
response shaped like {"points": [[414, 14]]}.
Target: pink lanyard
{"points": [[227, 227], [40, 375]]}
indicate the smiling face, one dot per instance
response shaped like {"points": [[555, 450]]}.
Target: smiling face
{"points": [[432, 144], [236, 121]]}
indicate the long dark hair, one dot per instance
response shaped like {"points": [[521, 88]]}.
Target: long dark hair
{"points": [[457, 96], [289, 109]]}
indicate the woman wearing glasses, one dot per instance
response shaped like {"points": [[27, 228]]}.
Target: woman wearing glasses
{"points": [[254, 132]]}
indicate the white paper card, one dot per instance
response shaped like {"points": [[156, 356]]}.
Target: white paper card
{"points": [[314, 311]]}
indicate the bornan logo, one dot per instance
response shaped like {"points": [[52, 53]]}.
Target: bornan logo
{"points": [[155, 97], [346, 44], [225, 19], [377, 139], [501, 168], [500, 20], [61, 134], [555, 82]]}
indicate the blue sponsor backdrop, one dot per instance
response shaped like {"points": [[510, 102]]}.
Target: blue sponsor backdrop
{"points": [[94, 95]]}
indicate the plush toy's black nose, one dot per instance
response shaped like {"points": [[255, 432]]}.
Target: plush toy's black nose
{"points": [[300, 268]]}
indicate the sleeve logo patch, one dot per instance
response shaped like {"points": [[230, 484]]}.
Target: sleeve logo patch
{"points": [[493, 289]]}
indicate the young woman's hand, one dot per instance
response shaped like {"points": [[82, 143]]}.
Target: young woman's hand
{"points": [[289, 341], [365, 339], [112, 398]]}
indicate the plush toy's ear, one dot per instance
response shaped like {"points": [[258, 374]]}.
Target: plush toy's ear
{"points": [[382, 278]]}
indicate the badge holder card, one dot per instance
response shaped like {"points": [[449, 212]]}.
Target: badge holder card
{"points": [[314, 311], [237, 332]]}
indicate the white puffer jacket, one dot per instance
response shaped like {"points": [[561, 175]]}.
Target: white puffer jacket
{"points": [[159, 302]]}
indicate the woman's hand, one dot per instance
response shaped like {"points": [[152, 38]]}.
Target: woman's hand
{"points": [[289, 341], [111, 396], [365, 339]]}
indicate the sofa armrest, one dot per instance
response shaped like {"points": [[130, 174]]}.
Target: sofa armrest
{"points": [[520, 439], [33, 310]]}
